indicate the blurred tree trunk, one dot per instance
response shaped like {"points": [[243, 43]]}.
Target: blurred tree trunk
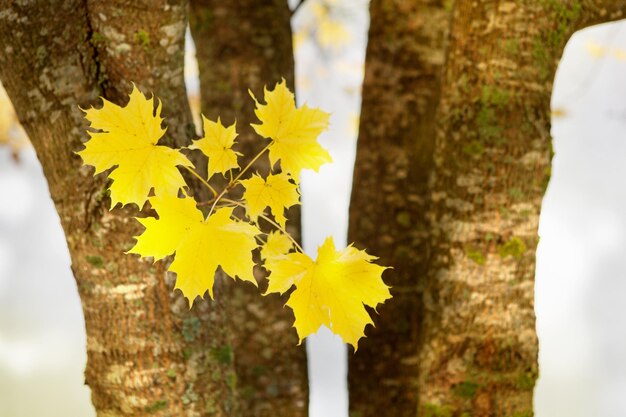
{"points": [[147, 353], [239, 46], [405, 54], [468, 272]]}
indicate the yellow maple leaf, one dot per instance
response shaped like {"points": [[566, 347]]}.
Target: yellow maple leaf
{"points": [[293, 131], [277, 244], [275, 192], [216, 145], [128, 138], [333, 290], [201, 245]]}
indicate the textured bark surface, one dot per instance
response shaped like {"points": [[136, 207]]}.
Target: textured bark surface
{"points": [[147, 354], [492, 163], [388, 207], [458, 339], [143, 42], [246, 45]]}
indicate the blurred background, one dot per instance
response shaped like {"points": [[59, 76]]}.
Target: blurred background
{"points": [[581, 259]]}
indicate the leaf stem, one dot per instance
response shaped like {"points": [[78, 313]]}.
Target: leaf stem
{"points": [[202, 180], [218, 199], [205, 203], [249, 165], [272, 222]]}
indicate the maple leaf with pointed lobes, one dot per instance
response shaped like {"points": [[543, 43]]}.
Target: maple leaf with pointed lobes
{"points": [[276, 192], [128, 138], [277, 244], [201, 245], [333, 290], [293, 131], [216, 145]]}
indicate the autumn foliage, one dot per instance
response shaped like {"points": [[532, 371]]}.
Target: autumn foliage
{"points": [[331, 290]]}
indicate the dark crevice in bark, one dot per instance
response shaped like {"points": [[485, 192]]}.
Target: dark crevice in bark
{"points": [[98, 72], [93, 208], [142, 358]]}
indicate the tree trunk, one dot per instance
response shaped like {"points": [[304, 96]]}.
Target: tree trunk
{"points": [[405, 54], [147, 353], [459, 336], [478, 354], [251, 41], [143, 42]]}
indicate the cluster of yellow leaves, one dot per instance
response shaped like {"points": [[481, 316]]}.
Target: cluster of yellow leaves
{"points": [[332, 290]]}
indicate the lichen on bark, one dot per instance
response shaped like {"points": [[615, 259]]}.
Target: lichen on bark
{"points": [[460, 229], [493, 152]]}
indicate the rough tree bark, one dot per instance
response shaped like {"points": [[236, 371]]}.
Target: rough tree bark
{"points": [[492, 164], [470, 267], [405, 54], [147, 354], [251, 41]]}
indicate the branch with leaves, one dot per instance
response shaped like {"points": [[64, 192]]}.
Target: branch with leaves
{"points": [[331, 290]]}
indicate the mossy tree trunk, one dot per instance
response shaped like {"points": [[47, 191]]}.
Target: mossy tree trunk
{"points": [[246, 45], [147, 353], [470, 268], [492, 164], [405, 54]]}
